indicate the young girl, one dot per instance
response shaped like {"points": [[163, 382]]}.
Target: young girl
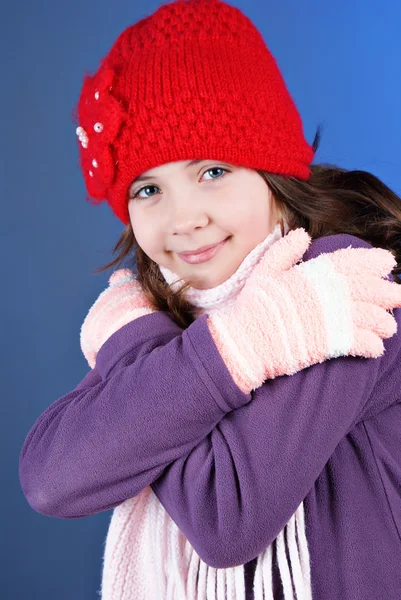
{"points": [[242, 413]]}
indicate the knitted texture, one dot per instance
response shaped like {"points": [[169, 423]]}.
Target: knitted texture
{"points": [[121, 302], [193, 80], [146, 555], [290, 317]]}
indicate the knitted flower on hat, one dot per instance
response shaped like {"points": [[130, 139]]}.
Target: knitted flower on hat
{"points": [[100, 116]]}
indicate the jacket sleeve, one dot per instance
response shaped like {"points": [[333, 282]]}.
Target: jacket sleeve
{"points": [[237, 489], [234, 492], [161, 409], [148, 401]]}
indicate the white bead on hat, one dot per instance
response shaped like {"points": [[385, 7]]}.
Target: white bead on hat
{"points": [[83, 136]]}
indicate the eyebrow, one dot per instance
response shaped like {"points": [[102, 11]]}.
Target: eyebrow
{"points": [[145, 177]]}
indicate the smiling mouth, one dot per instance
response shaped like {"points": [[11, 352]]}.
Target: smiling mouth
{"points": [[200, 250], [203, 256]]}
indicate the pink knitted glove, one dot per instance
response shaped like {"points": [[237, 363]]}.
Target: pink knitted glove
{"points": [[290, 317], [120, 303]]}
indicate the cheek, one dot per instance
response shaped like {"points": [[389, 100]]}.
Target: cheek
{"points": [[253, 225], [246, 218], [151, 242], [141, 228], [146, 242], [233, 215], [133, 217]]}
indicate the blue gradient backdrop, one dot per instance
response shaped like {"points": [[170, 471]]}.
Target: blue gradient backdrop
{"points": [[342, 63]]}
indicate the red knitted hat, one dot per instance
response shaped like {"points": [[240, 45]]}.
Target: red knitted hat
{"points": [[193, 80]]}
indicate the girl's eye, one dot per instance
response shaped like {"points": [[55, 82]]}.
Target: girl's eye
{"points": [[148, 187]]}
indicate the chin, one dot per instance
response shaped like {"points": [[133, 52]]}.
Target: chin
{"points": [[206, 284]]}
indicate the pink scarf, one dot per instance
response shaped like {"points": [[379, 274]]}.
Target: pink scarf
{"points": [[148, 558]]}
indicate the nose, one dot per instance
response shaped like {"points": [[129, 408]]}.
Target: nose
{"points": [[185, 214]]}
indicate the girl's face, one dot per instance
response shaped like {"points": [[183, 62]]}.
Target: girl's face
{"points": [[181, 206]]}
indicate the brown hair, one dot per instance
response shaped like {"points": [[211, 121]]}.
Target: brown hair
{"points": [[332, 201]]}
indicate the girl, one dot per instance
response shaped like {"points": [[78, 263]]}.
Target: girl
{"points": [[242, 412]]}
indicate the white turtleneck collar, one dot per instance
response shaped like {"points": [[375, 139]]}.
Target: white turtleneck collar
{"points": [[227, 291]]}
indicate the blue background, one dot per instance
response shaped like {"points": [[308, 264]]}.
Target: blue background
{"points": [[341, 61]]}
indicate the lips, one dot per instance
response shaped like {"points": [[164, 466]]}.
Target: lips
{"points": [[202, 255], [200, 250]]}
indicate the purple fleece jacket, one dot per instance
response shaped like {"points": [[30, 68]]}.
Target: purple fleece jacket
{"points": [[160, 408]]}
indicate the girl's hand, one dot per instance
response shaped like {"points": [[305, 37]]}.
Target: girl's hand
{"points": [[120, 303], [288, 317]]}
